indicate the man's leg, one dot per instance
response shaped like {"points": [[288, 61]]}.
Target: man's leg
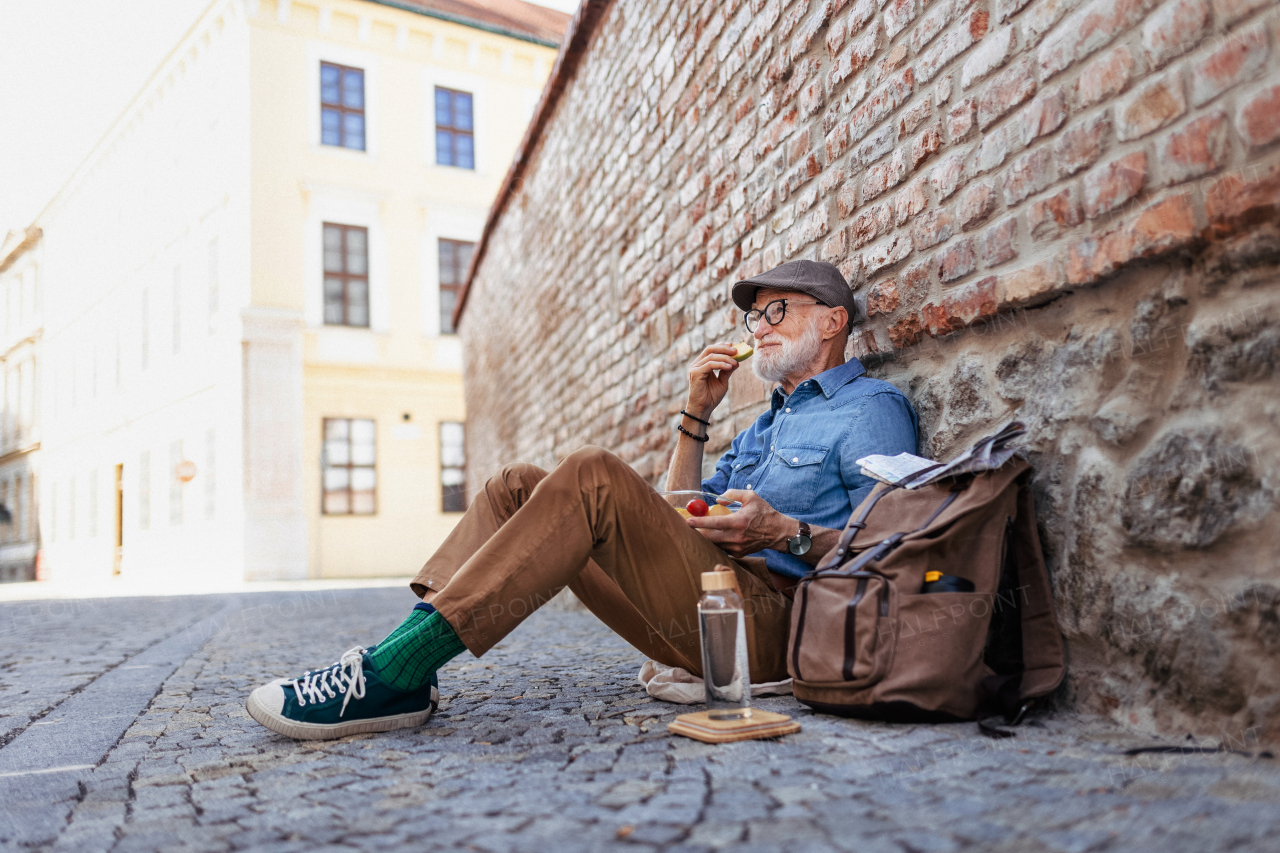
{"points": [[594, 508]]}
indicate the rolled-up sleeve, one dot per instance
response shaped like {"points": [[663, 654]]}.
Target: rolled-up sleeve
{"points": [[884, 424]]}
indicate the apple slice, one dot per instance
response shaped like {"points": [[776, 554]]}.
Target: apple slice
{"points": [[743, 353], [719, 509]]}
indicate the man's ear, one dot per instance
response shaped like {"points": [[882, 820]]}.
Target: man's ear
{"points": [[835, 322]]}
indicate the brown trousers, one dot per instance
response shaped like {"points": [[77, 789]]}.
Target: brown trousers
{"points": [[593, 525]]}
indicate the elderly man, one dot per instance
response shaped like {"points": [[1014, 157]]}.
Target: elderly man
{"points": [[597, 527]]}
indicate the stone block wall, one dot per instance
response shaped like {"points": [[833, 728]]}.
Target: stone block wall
{"points": [[1059, 210]]}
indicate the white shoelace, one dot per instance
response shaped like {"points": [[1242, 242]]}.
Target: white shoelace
{"points": [[346, 676]]}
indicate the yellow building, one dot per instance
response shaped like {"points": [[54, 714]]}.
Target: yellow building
{"points": [[248, 359]]}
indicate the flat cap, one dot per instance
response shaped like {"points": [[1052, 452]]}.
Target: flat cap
{"points": [[820, 280]]}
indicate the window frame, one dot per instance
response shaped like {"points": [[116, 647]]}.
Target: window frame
{"points": [[452, 130], [350, 468], [460, 274], [345, 276], [343, 110], [460, 488]]}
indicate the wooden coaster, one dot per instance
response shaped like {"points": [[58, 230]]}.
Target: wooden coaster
{"points": [[760, 724]]}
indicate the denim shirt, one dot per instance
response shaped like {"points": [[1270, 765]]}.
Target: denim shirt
{"points": [[799, 456]]}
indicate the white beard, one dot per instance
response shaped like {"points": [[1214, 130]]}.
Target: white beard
{"points": [[796, 354]]}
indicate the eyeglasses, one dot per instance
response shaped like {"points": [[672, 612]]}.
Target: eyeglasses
{"points": [[773, 313]]}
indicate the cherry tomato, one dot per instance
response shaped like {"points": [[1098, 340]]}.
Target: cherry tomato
{"points": [[697, 507]]}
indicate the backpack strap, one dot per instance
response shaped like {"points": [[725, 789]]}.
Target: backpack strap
{"points": [[856, 523]]}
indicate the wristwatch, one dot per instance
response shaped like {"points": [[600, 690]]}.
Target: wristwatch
{"points": [[801, 542]]}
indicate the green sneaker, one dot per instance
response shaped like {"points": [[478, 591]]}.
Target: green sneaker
{"points": [[344, 698]]}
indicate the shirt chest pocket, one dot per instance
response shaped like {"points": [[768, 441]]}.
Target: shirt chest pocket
{"points": [[797, 478], [743, 470]]}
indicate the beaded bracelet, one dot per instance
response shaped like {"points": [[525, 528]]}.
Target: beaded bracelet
{"points": [[702, 438], [695, 418]]}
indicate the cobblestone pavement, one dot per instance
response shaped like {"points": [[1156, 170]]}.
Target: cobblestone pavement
{"points": [[548, 743]]}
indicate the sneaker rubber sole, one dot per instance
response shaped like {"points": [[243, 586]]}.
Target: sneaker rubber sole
{"points": [[281, 724]]}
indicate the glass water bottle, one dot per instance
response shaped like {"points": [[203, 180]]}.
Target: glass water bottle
{"points": [[723, 630]]}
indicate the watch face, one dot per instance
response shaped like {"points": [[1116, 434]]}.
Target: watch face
{"points": [[799, 545]]}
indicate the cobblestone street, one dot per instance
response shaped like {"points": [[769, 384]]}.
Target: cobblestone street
{"points": [[123, 728]]}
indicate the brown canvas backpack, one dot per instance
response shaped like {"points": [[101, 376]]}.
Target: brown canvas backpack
{"points": [[866, 642]]}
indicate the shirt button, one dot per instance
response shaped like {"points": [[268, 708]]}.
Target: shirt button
{"points": [[748, 485], [788, 410], [795, 459]]}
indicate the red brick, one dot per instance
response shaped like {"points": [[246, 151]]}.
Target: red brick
{"points": [[1241, 200], [913, 117], [869, 224], [885, 253], [1151, 107], [882, 298], [811, 228], [948, 174], [976, 204], [953, 42], [957, 260], [1112, 184], [996, 244], [966, 306], [897, 15], [1241, 56], [1005, 91], [905, 332], [909, 201], [1175, 28], [854, 58], [990, 54], [1258, 118], [1054, 213], [1027, 175], [1230, 11], [1006, 9], [1081, 145], [846, 200], [1087, 30], [1104, 76], [914, 283], [831, 178], [1042, 116], [874, 146], [960, 120], [931, 228], [1195, 149], [926, 144], [1030, 285], [884, 100], [1166, 226], [888, 173], [834, 247]]}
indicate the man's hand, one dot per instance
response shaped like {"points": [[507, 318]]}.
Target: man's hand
{"points": [[706, 389], [755, 527]]}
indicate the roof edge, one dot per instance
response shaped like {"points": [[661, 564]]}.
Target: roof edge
{"points": [[466, 22], [573, 48], [13, 252]]}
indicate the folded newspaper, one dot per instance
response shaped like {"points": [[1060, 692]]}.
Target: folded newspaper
{"points": [[911, 472]]}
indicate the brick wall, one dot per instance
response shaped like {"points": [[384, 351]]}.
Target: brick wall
{"points": [[1063, 210]]}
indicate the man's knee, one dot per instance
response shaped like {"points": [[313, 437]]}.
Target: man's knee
{"points": [[521, 476], [592, 456]]}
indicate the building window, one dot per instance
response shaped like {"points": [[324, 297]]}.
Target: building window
{"points": [[455, 259], [346, 275], [349, 463], [453, 467], [341, 106], [455, 130]]}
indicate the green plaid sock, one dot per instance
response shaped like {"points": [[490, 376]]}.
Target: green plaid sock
{"points": [[421, 645]]}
